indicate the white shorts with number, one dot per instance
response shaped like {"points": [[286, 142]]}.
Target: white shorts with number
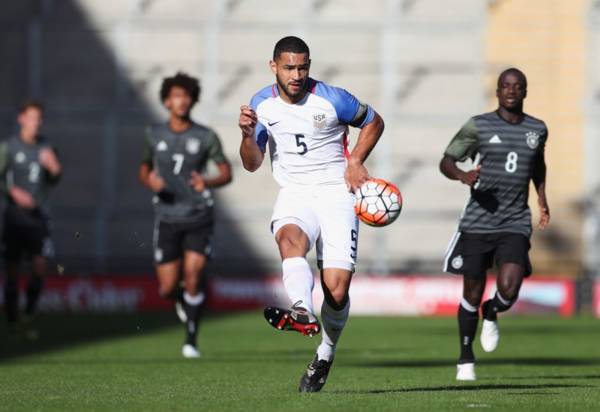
{"points": [[326, 214]]}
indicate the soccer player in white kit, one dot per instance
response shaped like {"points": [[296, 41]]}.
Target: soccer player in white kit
{"points": [[305, 123]]}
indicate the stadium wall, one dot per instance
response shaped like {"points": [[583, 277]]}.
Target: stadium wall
{"points": [[547, 40], [98, 66], [395, 295]]}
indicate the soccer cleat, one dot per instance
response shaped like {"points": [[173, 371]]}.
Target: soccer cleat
{"points": [[190, 352], [298, 319], [490, 335], [465, 372], [180, 311], [315, 376]]}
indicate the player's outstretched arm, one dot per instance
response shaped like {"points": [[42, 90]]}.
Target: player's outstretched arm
{"points": [[539, 181], [251, 154], [356, 172], [451, 171]]}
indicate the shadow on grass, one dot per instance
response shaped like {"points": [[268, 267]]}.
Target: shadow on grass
{"points": [[509, 330], [434, 363], [548, 377], [60, 331], [466, 388]]}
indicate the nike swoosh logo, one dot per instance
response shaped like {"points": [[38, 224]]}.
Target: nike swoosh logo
{"points": [[272, 124]]}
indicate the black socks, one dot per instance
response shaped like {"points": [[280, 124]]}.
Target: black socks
{"points": [[467, 327]]}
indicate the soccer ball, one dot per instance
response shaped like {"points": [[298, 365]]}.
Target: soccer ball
{"points": [[378, 202]]}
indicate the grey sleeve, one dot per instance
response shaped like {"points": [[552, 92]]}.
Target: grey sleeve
{"points": [[464, 144], [215, 149], [3, 167], [147, 149]]}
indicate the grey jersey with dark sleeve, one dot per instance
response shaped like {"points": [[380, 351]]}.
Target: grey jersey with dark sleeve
{"points": [[507, 154], [175, 156], [20, 166]]}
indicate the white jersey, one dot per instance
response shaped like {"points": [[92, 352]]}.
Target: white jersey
{"points": [[308, 140]]}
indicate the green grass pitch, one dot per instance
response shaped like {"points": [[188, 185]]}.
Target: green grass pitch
{"points": [[132, 362]]}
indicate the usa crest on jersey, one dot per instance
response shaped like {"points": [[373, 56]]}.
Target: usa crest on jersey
{"points": [[319, 121]]}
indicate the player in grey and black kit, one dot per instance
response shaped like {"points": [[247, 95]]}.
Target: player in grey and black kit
{"points": [[28, 168], [507, 147], [175, 156]]}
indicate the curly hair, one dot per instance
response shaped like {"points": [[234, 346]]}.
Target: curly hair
{"points": [[188, 83], [30, 103]]}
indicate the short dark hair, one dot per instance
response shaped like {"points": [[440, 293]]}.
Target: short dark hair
{"points": [[188, 83], [291, 44], [30, 103], [515, 71]]}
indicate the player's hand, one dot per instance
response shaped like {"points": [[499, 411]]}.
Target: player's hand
{"points": [[470, 178], [156, 183], [544, 215], [356, 174], [247, 122], [49, 161], [22, 198], [197, 182]]}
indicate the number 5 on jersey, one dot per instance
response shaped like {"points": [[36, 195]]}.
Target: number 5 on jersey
{"points": [[302, 148]]}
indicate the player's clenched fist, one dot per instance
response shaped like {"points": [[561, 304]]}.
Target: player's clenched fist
{"points": [[247, 121], [49, 161], [156, 183], [471, 177]]}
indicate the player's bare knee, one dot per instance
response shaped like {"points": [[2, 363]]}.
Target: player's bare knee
{"points": [[290, 247], [473, 291], [192, 282], [336, 294], [337, 299], [509, 291], [166, 290], [474, 298]]}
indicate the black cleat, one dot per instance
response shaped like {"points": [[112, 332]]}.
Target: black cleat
{"points": [[315, 376], [298, 319]]}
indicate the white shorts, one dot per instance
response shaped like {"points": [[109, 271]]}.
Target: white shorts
{"points": [[326, 215]]}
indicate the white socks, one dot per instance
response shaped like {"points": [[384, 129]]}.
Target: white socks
{"points": [[193, 300], [333, 323], [299, 282]]}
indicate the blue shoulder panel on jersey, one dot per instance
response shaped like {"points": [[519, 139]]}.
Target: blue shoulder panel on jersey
{"points": [[345, 104], [261, 132]]}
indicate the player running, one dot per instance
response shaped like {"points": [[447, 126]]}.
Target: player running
{"points": [[305, 122], [29, 167], [174, 157], [507, 146]]}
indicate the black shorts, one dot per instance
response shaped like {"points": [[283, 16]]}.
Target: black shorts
{"points": [[26, 234], [472, 254], [172, 239]]}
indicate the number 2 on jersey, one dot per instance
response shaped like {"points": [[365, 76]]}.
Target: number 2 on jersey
{"points": [[511, 162], [178, 159]]}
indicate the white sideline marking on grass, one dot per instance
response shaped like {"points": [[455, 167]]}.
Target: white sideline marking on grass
{"points": [[478, 405]]}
